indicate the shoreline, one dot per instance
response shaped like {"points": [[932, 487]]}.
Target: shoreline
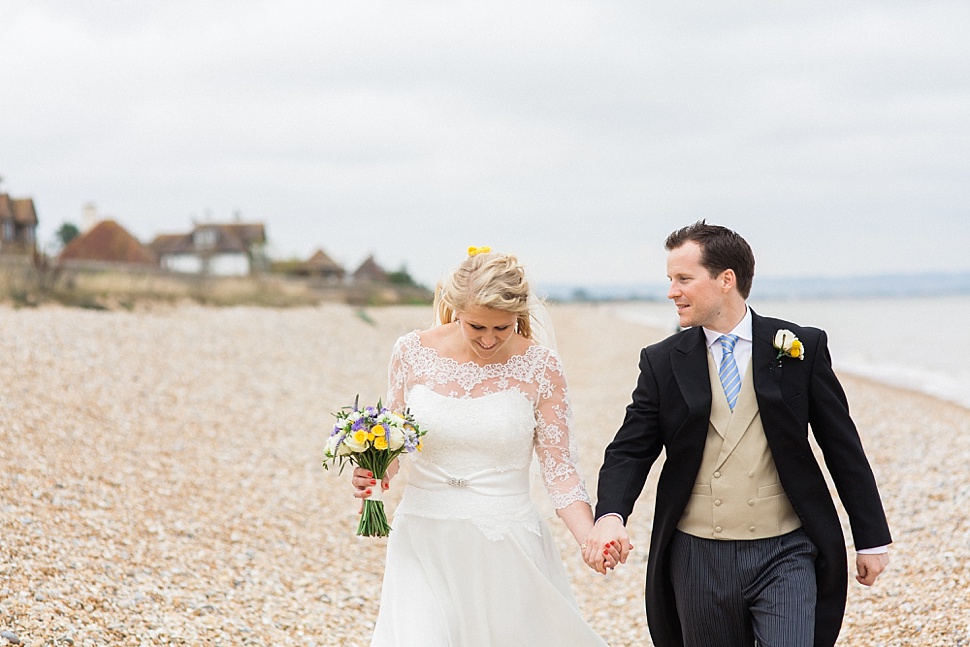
{"points": [[161, 479], [908, 377]]}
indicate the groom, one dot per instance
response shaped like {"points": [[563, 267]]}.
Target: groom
{"points": [[746, 542]]}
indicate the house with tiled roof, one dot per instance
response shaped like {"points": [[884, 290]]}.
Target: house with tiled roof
{"points": [[235, 249], [18, 226], [107, 242]]}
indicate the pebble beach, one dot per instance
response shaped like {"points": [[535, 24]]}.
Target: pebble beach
{"points": [[161, 480]]}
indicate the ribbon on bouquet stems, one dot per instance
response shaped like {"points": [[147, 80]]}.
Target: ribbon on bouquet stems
{"points": [[373, 519]]}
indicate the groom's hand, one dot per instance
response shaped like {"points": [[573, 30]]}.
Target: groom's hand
{"points": [[870, 566], [607, 529]]}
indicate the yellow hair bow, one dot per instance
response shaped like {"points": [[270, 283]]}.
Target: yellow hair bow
{"points": [[475, 251]]}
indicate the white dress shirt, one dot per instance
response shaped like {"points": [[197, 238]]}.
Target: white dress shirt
{"points": [[742, 349]]}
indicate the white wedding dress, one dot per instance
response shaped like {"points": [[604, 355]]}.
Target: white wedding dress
{"points": [[469, 560]]}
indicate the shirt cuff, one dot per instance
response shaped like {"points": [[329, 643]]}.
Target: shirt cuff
{"points": [[878, 550], [611, 514]]}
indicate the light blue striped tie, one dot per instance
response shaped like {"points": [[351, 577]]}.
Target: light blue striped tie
{"points": [[730, 377]]}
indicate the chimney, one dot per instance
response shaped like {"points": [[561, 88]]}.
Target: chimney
{"points": [[89, 217]]}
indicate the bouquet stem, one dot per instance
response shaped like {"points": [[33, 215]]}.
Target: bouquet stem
{"points": [[373, 519]]}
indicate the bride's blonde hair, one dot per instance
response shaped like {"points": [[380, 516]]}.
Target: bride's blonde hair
{"points": [[486, 280]]}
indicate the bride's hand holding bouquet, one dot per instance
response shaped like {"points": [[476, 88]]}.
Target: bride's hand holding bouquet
{"points": [[371, 438]]}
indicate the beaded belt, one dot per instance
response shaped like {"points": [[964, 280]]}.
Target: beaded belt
{"points": [[489, 482]]}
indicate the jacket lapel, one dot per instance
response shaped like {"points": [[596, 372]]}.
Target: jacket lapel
{"points": [[720, 410], [768, 373], [689, 364]]}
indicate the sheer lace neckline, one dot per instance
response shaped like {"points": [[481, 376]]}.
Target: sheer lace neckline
{"points": [[529, 353]]}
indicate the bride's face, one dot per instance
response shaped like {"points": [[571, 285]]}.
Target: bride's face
{"points": [[487, 331]]}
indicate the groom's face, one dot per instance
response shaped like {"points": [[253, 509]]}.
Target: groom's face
{"points": [[699, 297]]}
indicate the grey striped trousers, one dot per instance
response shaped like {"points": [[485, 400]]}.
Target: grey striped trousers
{"points": [[732, 593]]}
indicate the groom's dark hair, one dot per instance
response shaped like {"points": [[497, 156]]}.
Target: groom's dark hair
{"points": [[721, 249]]}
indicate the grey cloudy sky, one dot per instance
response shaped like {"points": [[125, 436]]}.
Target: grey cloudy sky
{"points": [[835, 136]]}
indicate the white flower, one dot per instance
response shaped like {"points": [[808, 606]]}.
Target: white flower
{"points": [[783, 339], [335, 447], [788, 345], [396, 438]]}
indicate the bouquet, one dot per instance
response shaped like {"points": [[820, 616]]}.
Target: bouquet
{"points": [[371, 438]]}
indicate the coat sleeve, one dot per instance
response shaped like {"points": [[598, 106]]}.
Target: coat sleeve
{"points": [[631, 454], [842, 449]]}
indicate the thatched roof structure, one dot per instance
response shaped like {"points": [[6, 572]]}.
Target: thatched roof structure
{"points": [[370, 271], [320, 264]]}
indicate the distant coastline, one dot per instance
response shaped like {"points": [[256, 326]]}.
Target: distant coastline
{"points": [[782, 288], [894, 340]]}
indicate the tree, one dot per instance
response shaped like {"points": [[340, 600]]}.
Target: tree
{"points": [[67, 232], [401, 277]]}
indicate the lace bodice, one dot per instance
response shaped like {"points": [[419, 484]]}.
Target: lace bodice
{"points": [[489, 418]]}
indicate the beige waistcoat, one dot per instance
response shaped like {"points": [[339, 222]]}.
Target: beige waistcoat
{"points": [[737, 493]]}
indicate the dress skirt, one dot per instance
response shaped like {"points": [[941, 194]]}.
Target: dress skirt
{"points": [[446, 584]]}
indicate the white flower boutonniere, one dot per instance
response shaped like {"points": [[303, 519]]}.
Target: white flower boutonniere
{"points": [[788, 345]]}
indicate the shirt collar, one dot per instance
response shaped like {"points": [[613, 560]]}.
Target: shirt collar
{"points": [[742, 330]]}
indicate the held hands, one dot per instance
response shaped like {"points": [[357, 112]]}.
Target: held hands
{"points": [[607, 545]]}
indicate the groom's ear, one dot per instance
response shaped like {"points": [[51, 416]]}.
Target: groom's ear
{"points": [[728, 280]]}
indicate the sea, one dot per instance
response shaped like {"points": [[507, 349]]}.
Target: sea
{"points": [[920, 343]]}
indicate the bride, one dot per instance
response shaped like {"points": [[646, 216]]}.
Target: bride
{"points": [[470, 562]]}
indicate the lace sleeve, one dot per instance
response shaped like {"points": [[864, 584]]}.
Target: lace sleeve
{"points": [[554, 444], [397, 375]]}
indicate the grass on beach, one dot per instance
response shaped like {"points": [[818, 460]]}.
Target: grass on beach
{"points": [[112, 288]]}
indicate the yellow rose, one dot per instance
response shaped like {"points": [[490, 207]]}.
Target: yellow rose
{"points": [[380, 443], [377, 430], [353, 443]]}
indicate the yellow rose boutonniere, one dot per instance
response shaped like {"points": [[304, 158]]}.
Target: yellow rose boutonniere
{"points": [[788, 345]]}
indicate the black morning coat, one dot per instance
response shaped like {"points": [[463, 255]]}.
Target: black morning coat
{"points": [[670, 411]]}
